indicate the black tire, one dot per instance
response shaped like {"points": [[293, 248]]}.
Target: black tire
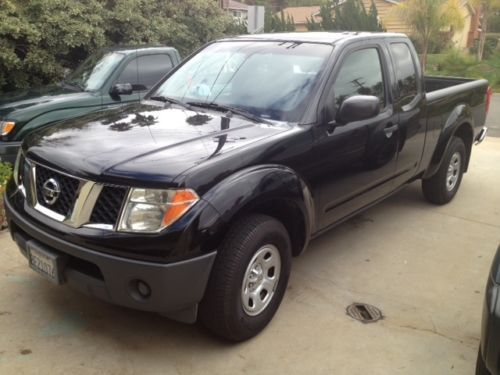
{"points": [[480, 365], [221, 309], [435, 188]]}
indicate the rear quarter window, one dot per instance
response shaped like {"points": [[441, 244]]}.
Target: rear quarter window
{"points": [[406, 73]]}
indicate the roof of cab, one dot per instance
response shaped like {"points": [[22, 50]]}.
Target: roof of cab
{"points": [[316, 37], [140, 48]]}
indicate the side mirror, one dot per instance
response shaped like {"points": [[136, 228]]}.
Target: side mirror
{"points": [[357, 108], [121, 89]]}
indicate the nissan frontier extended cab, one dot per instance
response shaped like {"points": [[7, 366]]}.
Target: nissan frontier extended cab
{"points": [[192, 203]]}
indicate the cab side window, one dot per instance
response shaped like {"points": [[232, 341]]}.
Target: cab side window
{"points": [[360, 74], [152, 68], [406, 73], [130, 75], [143, 72]]}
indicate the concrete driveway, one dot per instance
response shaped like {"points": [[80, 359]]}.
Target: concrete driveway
{"points": [[424, 266]]}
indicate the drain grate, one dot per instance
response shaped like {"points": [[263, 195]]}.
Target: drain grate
{"points": [[364, 313]]}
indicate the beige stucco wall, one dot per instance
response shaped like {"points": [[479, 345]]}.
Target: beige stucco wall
{"points": [[393, 23], [460, 36]]}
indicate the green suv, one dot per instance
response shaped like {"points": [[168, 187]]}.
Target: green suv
{"points": [[107, 79]]}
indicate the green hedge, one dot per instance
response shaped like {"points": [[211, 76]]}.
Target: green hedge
{"points": [[40, 38], [461, 64]]}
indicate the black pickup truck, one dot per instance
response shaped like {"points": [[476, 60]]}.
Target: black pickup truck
{"points": [[193, 202]]}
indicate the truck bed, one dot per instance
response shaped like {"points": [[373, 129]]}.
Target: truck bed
{"points": [[446, 94], [439, 88], [434, 83]]}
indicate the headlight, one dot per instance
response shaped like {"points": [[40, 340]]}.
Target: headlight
{"points": [[6, 127], [151, 210]]}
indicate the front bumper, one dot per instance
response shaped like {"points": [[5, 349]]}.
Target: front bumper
{"points": [[176, 288], [8, 151], [490, 325]]}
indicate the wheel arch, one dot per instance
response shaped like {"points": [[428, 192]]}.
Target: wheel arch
{"points": [[272, 190], [459, 124]]}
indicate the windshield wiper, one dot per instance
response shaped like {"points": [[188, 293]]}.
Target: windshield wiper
{"points": [[235, 110], [166, 99]]}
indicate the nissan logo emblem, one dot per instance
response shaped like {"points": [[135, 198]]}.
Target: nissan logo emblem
{"points": [[51, 191]]}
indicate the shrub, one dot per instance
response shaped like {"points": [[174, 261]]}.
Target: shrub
{"points": [[40, 38], [440, 44], [490, 46], [5, 173], [455, 63]]}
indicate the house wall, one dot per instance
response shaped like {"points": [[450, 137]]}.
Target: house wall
{"points": [[237, 14], [460, 37], [393, 23]]}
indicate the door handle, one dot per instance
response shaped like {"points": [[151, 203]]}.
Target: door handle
{"points": [[390, 129]]}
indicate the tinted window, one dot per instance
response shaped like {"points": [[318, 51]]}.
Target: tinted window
{"points": [[152, 68], [144, 71], [360, 74], [129, 74], [405, 72]]}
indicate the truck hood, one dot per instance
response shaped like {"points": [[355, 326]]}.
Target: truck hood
{"points": [[12, 103], [142, 144]]}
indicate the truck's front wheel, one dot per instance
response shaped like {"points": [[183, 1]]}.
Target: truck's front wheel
{"points": [[248, 279], [442, 187]]}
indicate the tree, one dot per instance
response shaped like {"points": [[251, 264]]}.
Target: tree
{"points": [[350, 15], [312, 25], [185, 24], [40, 38], [278, 22], [326, 15], [427, 18], [487, 7]]}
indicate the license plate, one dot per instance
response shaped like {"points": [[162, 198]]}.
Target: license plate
{"points": [[45, 262]]}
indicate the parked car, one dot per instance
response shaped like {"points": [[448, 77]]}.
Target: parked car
{"points": [[110, 78], [193, 202], [489, 350]]}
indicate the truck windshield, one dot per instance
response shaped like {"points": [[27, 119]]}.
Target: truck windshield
{"points": [[271, 80], [91, 75]]}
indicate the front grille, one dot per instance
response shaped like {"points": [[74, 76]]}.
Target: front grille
{"points": [[68, 186], [108, 205], [74, 192]]}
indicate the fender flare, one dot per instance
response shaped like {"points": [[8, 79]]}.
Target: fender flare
{"points": [[460, 117], [258, 186]]}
